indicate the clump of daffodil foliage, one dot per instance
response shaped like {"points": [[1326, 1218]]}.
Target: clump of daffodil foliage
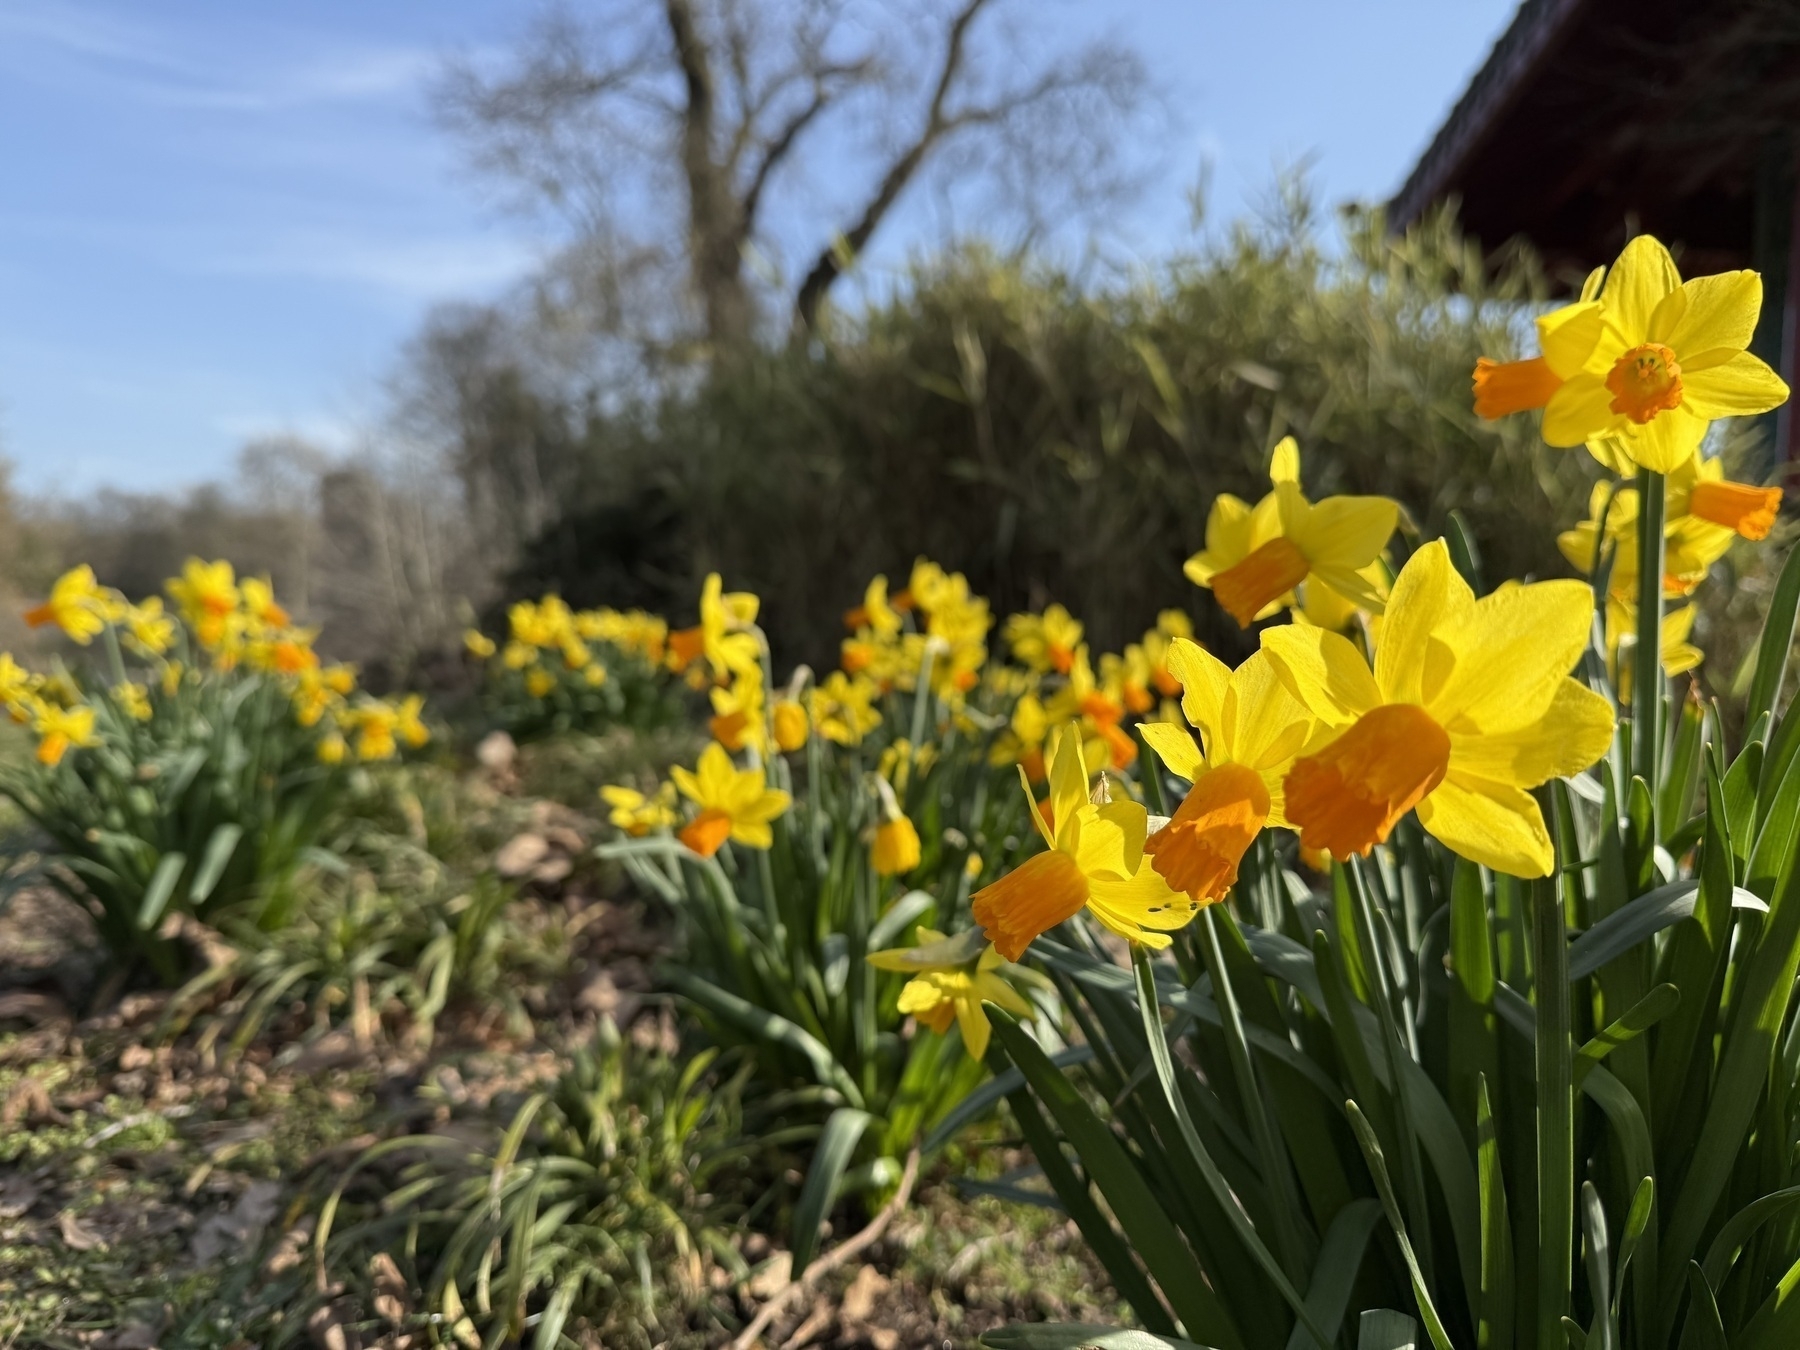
{"points": [[1465, 929], [193, 756]]}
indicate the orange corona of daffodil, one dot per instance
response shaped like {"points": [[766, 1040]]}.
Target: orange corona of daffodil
{"points": [[1255, 557], [1668, 356], [951, 978], [1469, 705], [734, 803], [1095, 861], [1251, 728]]}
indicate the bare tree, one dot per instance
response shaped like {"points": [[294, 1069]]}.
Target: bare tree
{"points": [[663, 128]]}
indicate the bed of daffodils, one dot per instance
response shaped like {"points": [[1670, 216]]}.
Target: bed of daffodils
{"points": [[1428, 977]]}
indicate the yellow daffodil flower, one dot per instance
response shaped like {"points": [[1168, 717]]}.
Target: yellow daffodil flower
{"points": [[722, 636], [1678, 654], [133, 700], [637, 814], [148, 629], [1095, 860], [78, 605], [843, 708], [734, 803], [1252, 729], [375, 725], [332, 748], [409, 722], [1691, 545], [1256, 557], [1668, 357], [478, 644], [952, 978], [791, 726], [542, 624], [539, 682], [896, 847], [18, 689], [62, 729], [258, 599], [1470, 703], [1022, 742], [1099, 709], [738, 717], [207, 595], [1170, 624], [1044, 642], [875, 613]]}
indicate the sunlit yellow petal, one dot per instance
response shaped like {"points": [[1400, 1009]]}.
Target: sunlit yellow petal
{"points": [[1323, 671], [1204, 679], [1489, 823], [1567, 336], [1639, 280], [1574, 732], [1348, 532], [1579, 411], [1512, 653], [1740, 386], [1284, 464], [1707, 313], [1175, 747], [1429, 594]]}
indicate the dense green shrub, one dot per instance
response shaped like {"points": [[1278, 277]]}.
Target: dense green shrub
{"points": [[1049, 438]]}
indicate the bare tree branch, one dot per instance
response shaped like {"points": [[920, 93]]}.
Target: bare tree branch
{"points": [[825, 271]]}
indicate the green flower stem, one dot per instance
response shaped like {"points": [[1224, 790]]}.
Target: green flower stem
{"points": [[1646, 673]]}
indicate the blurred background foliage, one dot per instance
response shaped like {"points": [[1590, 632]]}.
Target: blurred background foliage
{"points": [[1050, 432]]}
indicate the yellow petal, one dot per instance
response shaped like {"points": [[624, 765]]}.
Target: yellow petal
{"points": [[1570, 736], [1639, 280], [1579, 411], [1323, 671], [1265, 724], [1284, 464], [1204, 679], [1348, 532], [1738, 387], [1175, 747], [1141, 909], [974, 1024], [1068, 786], [1512, 653], [1707, 313], [1489, 823], [1429, 595], [1568, 336], [1667, 441], [992, 989]]}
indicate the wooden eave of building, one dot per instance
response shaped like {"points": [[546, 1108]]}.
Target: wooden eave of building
{"points": [[1593, 120]]}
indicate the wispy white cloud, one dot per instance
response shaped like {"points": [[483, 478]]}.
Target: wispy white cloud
{"points": [[169, 68], [419, 269]]}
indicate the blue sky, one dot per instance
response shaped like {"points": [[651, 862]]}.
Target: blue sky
{"points": [[221, 220]]}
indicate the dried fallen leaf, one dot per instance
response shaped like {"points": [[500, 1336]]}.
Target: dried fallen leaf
{"points": [[77, 1236]]}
